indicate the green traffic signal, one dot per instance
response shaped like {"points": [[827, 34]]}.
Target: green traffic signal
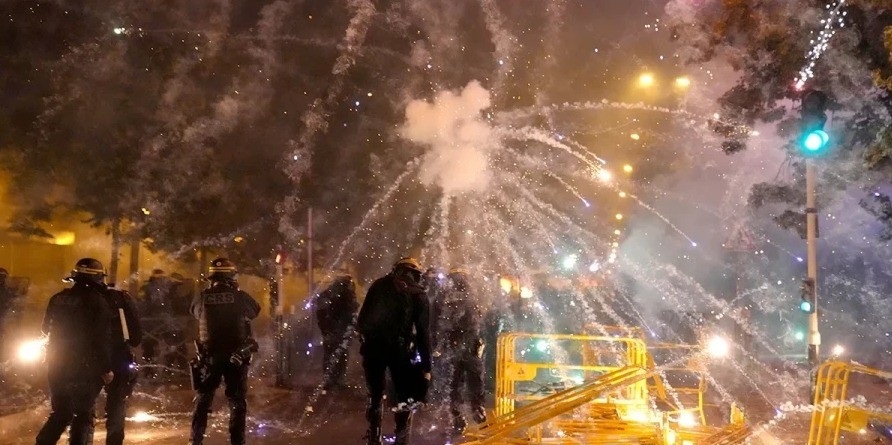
{"points": [[805, 306], [815, 141]]}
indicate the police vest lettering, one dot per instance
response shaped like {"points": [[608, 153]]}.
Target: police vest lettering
{"points": [[224, 298]]}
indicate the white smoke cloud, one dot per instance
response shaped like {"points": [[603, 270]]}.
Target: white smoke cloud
{"points": [[459, 138]]}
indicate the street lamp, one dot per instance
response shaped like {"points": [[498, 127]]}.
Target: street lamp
{"points": [[682, 82], [646, 80]]}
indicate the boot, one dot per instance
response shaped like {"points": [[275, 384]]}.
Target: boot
{"points": [[459, 423], [403, 421], [480, 414], [373, 435], [373, 414]]}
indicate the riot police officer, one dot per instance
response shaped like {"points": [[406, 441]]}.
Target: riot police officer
{"points": [[335, 308], [224, 314], [393, 328], [459, 329], [126, 333], [77, 321]]}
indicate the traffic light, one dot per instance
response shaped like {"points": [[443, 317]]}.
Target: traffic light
{"points": [[807, 303], [813, 139]]}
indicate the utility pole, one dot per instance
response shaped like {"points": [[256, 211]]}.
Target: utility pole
{"points": [[811, 230], [310, 254], [275, 303]]}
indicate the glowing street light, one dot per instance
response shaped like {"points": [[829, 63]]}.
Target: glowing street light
{"points": [[646, 80], [838, 350], [619, 216], [635, 136], [627, 168], [604, 175], [682, 82]]}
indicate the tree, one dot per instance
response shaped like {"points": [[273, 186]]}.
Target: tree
{"points": [[769, 54]]}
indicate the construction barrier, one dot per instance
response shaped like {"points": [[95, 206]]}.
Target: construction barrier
{"points": [[832, 412]]}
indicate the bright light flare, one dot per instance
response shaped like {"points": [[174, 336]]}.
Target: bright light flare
{"points": [[120, 31], [542, 345], [627, 168], [682, 82], [618, 216], [687, 419], [143, 417], [594, 267], [838, 350], [569, 261], [526, 292], [646, 80], [718, 347], [635, 136], [506, 285], [32, 351], [604, 176]]}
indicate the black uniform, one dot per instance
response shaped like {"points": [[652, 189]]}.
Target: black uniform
{"points": [[77, 321], [224, 314], [156, 302], [123, 363], [459, 338], [335, 308], [7, 302], [394, 330]]}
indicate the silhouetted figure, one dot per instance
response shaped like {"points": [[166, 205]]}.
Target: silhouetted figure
{"points": [[78, 322], [460, 341], [224, 314], [336, 308], [123, 364], [393, 328]]}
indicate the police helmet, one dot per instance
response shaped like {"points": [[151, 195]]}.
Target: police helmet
{"points": [[408, 269], [459, 271], [408, 263], [222, 269], [88, 270]]}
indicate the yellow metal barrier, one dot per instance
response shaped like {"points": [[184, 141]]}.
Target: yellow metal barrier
{"points": [[689, 398], [537, 412], [510, 370], [831, 413], [612, 403]]}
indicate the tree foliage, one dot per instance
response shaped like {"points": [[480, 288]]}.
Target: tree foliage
{"points": [[766, 43]]}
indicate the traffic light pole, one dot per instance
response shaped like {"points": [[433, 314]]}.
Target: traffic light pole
{"points": [[811, 220]]}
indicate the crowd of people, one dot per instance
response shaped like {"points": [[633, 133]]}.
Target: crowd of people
{"points": [[412, 324]]}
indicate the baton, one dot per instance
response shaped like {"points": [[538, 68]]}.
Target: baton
{"points": [[124, 329]]}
